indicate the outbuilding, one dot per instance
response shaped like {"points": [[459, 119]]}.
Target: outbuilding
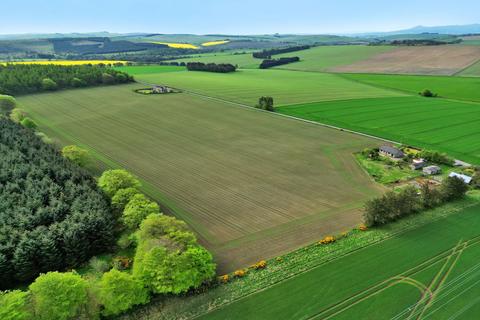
{"points": [[417, 164], [431, 170], [391, 152], [464, 177]]}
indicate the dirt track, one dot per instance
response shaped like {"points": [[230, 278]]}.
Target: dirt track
{"points": [[434, 60]]}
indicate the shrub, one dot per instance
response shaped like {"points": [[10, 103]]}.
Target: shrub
{"points": [[49, 85], [119, 291], [121, 263], [99, 266], [45, 139], [122, 197], [15, 305], [78, 83], [260, 265], [137, 209], [240, 273], [7, 104], [29, 123], [327, 240], [76, 154], [108, 78], [224, 279], [265, 103], [113, 180], [436, 157], [427, 93], [17, 115], [59, 295]]}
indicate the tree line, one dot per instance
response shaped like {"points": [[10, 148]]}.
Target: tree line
{"points": [[31, 78], [267, 54], [53, 215], [270, 63], [395, 205], [211, 67]]}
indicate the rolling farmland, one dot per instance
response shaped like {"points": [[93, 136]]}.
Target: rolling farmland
{"points": [[251, 184], [446, 87], [429, 60], [244, 60], [439, 124], [324, 58], [472, 71], [424, 272], [287, 87]]}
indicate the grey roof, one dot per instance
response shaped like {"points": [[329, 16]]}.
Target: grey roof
{"points": [[391, 150], [465, 178]]}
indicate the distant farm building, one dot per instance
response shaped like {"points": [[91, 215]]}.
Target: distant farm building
{"points": [[431, 170], [417, 164], [391, 152], [459, 163], [465, 178]]}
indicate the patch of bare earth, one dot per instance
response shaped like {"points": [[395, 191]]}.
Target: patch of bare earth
{"points": [[429, 60]]}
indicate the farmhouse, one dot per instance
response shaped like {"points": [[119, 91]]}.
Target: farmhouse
{"points": [[465, 178], [417, 164], [431, 170], [391, 152]]}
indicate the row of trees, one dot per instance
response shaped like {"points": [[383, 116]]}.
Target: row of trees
{"points": [[53, 215], [395, 205], [267, 54], [211, 67], [30, 78], [277, 62]]}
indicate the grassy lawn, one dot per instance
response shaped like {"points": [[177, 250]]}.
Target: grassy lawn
{"points": [[447, 87], [433, 123], [324, 57], [251, 184], [286, 87], [348, 287], [387, 174]]}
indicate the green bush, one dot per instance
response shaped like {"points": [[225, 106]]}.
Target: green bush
{"points": [[78, 83], [137, 209], [113, 180], [15, 305], [17, 115], [59, 296], [119, 291], [49, 85], [453, 188], [76, 154], [29, 123], [7, 104], [122, 197]]}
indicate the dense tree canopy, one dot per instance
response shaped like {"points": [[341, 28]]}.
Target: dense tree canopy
{"points": [[15, 305], [211, 67], [277, 62], [30, 78], [52, 214], [76, 154], [113, 180], [266, 54]]}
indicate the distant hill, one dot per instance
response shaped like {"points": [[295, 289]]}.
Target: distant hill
{"points": [[448, 30], [102, 34]]}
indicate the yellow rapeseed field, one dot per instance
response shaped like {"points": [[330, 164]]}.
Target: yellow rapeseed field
{"points": [[177, 45], [66, 62], [214, 43]]}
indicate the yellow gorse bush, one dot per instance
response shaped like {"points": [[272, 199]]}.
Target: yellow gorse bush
{"points": [[327, 240]]}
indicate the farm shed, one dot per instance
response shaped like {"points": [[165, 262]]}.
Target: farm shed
{"points": [[431, 170], [417, 164], [391, 152], [465, 178]]}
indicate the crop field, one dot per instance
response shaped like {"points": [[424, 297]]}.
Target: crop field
{"points": [[287, 87], [139, 70], [439, 124], [177, 45], [429, 60], [323, 58], [214, 43], [472, 71], [251, 184], [458, 88], [66, 62], [425, 273]]}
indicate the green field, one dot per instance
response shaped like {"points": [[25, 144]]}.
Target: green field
{"points": [[448, 87], [287, 87], [429, 271], [245, 61], [251, 184], [438, 124], [323, 58], [472, 71], [150, 69]]}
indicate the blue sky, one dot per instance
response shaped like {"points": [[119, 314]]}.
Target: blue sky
{"points": [[232, 17]]}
